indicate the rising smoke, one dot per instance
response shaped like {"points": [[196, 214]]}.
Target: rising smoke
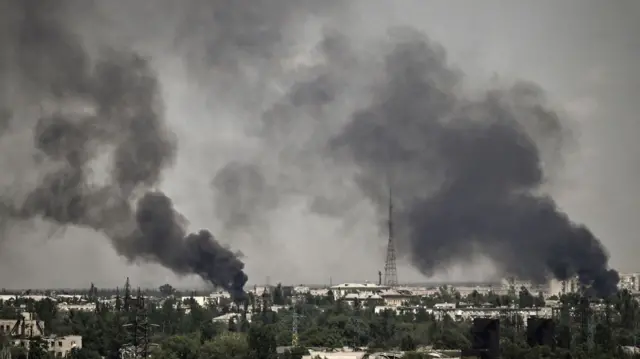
{"points": [[122, 113], [486, 167], [468, 172], [332, 125]]}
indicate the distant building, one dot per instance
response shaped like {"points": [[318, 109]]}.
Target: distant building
{"points": [[630, 281], [86, 307], [301, 289], [34, 297], [396, 298], [58, 347], [62, 346], [226, 318], [362, 289], [322, 292], [366, 299], [336, 354]]}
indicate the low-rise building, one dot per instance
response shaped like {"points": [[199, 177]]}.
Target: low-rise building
{"points": [[26, 326], [341, 290], [236, 317], [86, 307], [62, 346], [364, 299], [630, 282], [396, 298]]}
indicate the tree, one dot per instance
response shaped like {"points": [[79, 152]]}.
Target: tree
{"points": [[525, 299], [38, 349], [127, 302], [226, 346], [181, 347], [278, 295], [118, 304], [166, 290], [46, 310], [262, 342], [408, 343], [83, 353]]}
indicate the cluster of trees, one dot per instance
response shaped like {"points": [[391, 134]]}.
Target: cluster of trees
{"points": [[186, 330]]}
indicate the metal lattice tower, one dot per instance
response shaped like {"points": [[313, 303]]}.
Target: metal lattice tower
{"points": [[139, 332], [390, 270]]}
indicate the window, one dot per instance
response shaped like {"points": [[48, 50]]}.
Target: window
{"points": [[59, 344]]}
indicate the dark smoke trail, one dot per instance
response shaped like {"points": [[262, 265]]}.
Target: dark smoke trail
{"points": [[127, 117], [487, 168]]}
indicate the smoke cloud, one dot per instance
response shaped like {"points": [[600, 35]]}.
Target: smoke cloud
{"points": [[122, 114], [469, 172], [323, 116]]}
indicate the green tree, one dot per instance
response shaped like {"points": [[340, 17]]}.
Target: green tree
{"points": [[226, 346], [38, 349], [262, 342], [83, 353], [408, 343], [525, 299], [181, 347], [166, 290], [278, 295]]}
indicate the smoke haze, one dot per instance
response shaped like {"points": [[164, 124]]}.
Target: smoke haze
{"points": [[123, 110], [287, 118]]}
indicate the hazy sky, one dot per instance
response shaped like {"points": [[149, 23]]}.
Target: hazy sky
{"points": [[582, 52]]}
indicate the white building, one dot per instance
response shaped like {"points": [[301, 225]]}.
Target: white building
{"points": [[337, 354], [301, 289], [86, 307], [630, 281], [62, 346], [322, 292], [396, 298], [362, 289]]}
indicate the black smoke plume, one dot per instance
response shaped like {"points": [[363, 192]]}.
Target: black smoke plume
{"points": [[468, 172], [125, 119]]}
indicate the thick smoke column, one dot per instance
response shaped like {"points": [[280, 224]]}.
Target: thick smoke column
{"points": [[486, 166], [125, 115]]}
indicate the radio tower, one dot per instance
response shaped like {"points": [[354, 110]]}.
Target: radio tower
{"points": [[390, 271]]}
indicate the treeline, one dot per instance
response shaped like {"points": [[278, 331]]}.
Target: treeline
{"points": [[183, 329]]}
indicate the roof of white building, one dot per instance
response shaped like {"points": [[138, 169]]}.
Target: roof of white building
{"points": [[361, 296], [361, 286]]}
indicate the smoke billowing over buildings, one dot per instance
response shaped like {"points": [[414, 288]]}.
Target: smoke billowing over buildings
{"points": [[324, 121], [122, 113], [486, 165]]}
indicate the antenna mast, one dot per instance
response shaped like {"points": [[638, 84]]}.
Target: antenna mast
{"points": [[390, 270]]}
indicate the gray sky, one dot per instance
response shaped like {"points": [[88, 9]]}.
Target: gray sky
{"points": [[582, 52]]}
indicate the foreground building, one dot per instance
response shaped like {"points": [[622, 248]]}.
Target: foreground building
{"points": [[23, 330]]}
